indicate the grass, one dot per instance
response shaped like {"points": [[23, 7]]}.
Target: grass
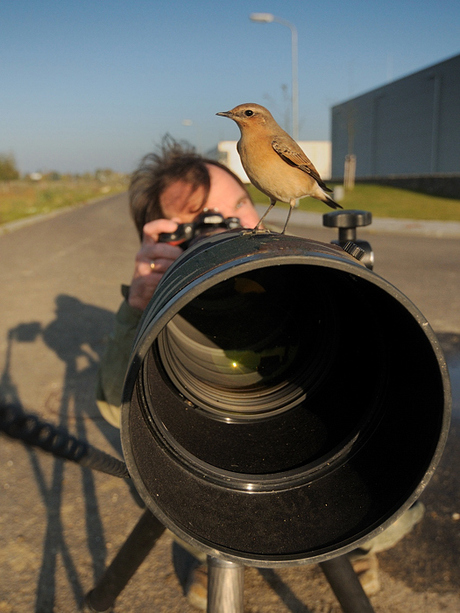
{"points": [[383, 201], [20, 199]]}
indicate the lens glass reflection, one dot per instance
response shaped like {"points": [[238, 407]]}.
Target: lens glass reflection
{"points": [[239, 348]]}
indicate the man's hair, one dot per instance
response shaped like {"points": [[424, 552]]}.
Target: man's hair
{"points": [[173, 162]]}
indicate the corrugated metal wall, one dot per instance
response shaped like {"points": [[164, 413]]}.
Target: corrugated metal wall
{"points": [[408, 127]]}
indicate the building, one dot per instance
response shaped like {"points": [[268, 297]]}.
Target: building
{"points": [[319, 152], [407, 130]]}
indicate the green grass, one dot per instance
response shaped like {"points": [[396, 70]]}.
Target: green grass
{"points": [[383, 201], [20, 199]]}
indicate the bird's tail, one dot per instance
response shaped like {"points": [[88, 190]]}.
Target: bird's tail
{"points": [[329, 201], [320, 194], [332, 203]]}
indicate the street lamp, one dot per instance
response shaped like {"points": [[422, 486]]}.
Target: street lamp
{"points": [[269, 18]]}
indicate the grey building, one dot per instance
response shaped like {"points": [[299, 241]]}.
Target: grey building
{"points": [[407, 128]]}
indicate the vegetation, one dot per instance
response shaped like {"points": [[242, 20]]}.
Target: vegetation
{"points": [[27, 197], [8, 170], [383, 201]]}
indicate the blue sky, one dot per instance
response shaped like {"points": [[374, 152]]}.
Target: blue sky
{"points": [[94, 83]]}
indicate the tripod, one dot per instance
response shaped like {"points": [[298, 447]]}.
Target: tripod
{"points": [[225, 580]]}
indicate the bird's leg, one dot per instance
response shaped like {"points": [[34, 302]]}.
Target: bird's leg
{"points": [[291, 206], [272, 204]]}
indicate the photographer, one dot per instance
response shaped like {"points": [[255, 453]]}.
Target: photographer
{"points": [[168, 188]]}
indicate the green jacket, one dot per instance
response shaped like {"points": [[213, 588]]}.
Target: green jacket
{"points": [[114, 363]]}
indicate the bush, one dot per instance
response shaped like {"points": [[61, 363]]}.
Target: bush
{"points": [[8, 170]]}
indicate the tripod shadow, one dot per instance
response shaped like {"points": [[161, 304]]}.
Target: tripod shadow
{"points": [[76, 335], [283, 591]]}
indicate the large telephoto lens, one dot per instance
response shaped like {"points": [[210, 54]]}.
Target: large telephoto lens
{"points": [[283, 402]]}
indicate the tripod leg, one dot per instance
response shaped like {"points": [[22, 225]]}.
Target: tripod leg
{"points": [[225, 586], [346, 586], [131, 555]]}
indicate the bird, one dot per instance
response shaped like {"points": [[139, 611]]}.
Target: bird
{"points": [[274, 162]]}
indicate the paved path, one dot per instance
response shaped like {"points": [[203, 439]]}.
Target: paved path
{"points": [[60, 524]]}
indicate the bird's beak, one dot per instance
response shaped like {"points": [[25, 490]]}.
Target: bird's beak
{"points": [[225, 114]]}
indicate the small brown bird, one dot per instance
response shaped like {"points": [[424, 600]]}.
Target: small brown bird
{"points": [[273, 161]]}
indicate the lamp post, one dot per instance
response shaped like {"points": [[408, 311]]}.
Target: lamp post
{"points": [[269, 18]]}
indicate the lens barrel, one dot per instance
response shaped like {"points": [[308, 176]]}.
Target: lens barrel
{"points": [[283, 403]]}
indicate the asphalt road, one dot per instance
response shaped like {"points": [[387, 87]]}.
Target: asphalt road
{"points": [[61, 524]]}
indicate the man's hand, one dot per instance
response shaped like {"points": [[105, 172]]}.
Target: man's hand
{"points": [[152, 261]]}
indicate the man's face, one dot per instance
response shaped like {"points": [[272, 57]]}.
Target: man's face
{"points": [[226, 195]]}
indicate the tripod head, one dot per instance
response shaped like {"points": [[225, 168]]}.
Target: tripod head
{"points": [[283, 403], [346, 221]]}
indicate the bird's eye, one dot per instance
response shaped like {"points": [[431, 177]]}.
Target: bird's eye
{"points": [[248, 113]]}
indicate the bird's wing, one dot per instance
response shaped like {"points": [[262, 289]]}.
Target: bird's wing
{"points": [[298, 159]]}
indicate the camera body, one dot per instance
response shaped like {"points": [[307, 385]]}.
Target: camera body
{"points": [[205, 223]]}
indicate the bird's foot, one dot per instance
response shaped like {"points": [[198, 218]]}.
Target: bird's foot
{"points": [[257, 230]]}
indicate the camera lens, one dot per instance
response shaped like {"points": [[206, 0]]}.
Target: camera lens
{"points": [[229, 350], [248, 356], [283, 402]]}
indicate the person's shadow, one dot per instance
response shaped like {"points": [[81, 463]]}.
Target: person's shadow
{"points": [[77, 336]]}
